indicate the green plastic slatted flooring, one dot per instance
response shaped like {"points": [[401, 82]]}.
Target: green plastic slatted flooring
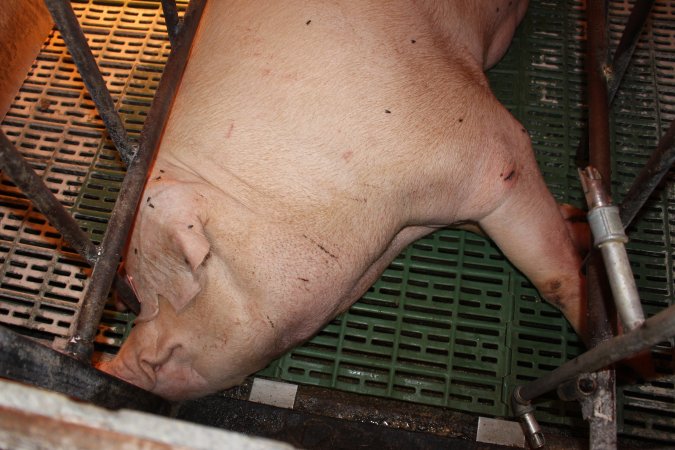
{"points": [[450, 322]]}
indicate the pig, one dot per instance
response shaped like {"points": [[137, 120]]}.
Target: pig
{"points": [[309, 143]]}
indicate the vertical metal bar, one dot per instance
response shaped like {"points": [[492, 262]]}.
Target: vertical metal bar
{"points": [[622, 56], [650, 176], [81, 344], [603, 420], [23, 175], [171, 19], [65, 19]]}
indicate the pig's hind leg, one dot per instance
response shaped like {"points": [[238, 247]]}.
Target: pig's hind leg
{"points": [[528, 226]]}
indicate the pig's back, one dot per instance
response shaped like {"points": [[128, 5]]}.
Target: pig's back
{"points": [[299, 106]]}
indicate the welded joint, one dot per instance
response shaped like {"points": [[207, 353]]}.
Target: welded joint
{"points": [[524, 412]]}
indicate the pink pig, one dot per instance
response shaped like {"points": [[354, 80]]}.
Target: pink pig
{"points": [[309, 144]]}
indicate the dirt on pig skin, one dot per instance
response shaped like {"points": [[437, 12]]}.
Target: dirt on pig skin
{"points": [[309, 143]]}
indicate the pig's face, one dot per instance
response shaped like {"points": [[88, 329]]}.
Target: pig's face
{"points": [[193, 324]]}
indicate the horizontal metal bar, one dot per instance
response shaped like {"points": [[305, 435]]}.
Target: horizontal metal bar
{"points": [[658, 328], [23, 359], [22, 174], [81, 345], [67, 23], [650, 176]]}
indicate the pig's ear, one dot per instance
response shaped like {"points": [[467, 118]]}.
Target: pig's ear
{"points": [[193, 249], [166, 257], [192, 243]]}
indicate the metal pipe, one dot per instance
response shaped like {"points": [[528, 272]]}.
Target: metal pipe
{"points": [[81, 344], [67, 23], [602, 423], [658, 328], [649, 177], [23, 175], [173, 24], [615, 72], [610, 237]]}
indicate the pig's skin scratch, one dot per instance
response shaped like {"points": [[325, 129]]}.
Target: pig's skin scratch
{"points": [[320, 246]]}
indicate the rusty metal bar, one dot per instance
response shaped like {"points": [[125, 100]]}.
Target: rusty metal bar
{"points": [[601, 314], [67, 23], [629, 39], [650, 176], [173, 24], [81, 344], [620, 61], [23, 175], [19, 171]]}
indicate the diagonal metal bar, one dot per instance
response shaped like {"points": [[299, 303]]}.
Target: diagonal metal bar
{"points": [[627, 43], [67, 23], [650, 176], [173, 24], [81, 344], [23, 175], [656, 329]]}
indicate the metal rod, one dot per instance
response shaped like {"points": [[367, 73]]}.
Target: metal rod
{"points": [[23, 359], [67, 23], [81, 345], [649, 177], [173, 24], [23, 175], [658, 328], [620, 62], [602, 423], [19, 171], [610, 238], [629, 39]]}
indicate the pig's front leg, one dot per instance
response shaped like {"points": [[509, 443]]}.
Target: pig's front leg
{"points": [[529, 227]]}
